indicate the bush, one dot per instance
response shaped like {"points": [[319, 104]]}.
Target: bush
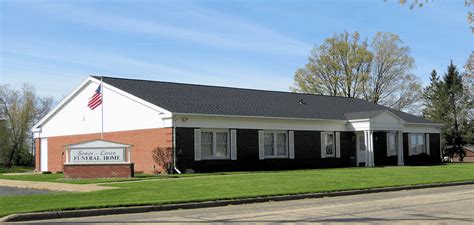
{"points": [[163, 157]]}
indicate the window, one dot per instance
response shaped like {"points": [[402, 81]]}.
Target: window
{"points": [[361, 143], [275, 144], [215, 144], [417, 144], [392, 143], [330, 150]]}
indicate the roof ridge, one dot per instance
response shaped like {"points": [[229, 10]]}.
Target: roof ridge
{"points": [[218, 86]]}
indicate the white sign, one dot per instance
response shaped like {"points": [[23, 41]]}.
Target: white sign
{"points": [[104, 155]]}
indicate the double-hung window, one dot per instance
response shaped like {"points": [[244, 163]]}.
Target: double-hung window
{"points": [[330, 146], [392, 143], [215, 144], [417, 144], [275, 144]]}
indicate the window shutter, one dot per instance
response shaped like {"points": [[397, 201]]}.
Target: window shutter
{"points": [[387, 146], [291, 143], [323, 145], [410, 151], [197, 144], [427, 140], [233, 144], [338, 144], [261, 145]]}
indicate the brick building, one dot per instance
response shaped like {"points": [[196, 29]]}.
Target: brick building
{"points": [[213, 128]]}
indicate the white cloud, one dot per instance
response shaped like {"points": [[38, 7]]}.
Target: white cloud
{"points": [[216, 29], [48, 63]]}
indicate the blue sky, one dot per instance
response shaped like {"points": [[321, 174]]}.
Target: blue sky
{"points": [[252, 44]]}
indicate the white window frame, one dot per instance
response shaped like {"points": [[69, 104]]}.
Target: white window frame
{"points": [[326, 134], [214, 144], [275, 144], [411, 144], [395, 150]]}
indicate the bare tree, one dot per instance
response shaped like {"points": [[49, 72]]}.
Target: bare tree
{"points": [[391, 83], [20, 108]]}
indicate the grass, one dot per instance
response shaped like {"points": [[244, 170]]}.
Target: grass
{"points": [[16, 169], [59, 177], [239, 185]]}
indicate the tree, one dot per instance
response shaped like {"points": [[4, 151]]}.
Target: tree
{"points": [[20, 108], [391, 83], [434, 99], [434, 103], [338, 67], [458, 104], [345, 66]]}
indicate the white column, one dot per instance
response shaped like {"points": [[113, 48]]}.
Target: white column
{"points": [[371, 148], [400, 148], [366, 142]]}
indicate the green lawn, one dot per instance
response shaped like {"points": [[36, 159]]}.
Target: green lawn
{"points": [[239, 185], [16, 169], [59, 177]]}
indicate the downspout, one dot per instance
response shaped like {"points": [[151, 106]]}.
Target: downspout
{"points": [[174, 146]]}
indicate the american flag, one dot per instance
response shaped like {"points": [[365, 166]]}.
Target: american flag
{"points": [[96, 99]]}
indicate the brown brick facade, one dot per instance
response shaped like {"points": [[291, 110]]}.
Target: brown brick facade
{"points": [[143, 143], [98, 171]]}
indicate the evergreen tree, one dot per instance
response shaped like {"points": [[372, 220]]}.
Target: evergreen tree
{"points": [[434, 99], [457, 107]]}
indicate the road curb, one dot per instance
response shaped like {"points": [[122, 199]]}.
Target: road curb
{"points": [[194, 205]]}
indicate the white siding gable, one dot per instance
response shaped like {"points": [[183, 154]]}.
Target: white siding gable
{"points": [[121, 112]]}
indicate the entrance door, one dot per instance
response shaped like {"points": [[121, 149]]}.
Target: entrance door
{"points": [[360, 149], [44, 154]]}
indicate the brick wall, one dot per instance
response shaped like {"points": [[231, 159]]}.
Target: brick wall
{"points": [[143, 142], [98, 171]]}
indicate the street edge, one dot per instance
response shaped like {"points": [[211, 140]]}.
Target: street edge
{"points": [[206, 204]]}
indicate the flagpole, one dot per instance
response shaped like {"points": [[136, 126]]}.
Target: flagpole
{"points": [[102, 108]]}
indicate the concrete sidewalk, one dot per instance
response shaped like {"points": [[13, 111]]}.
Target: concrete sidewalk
{"points": [[53, 186]]}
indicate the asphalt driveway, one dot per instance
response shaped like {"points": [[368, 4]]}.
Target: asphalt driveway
{"points": [[10, 191], [451, 205]]}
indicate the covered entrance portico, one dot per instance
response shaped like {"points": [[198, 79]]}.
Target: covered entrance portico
{"points": [[365, 124]]}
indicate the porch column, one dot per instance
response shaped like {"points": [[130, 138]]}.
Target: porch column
{"points": [[369, 146], [400, 148]]}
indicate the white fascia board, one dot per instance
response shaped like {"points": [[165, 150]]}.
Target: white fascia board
{"points": [[255, 122], [60, 105], [427, 124], [358, 120], [163, 112], [258, 117], [36, 128]]}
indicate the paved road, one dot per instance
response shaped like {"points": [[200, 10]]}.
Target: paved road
{"points": [[10, 191], [451, 205]]}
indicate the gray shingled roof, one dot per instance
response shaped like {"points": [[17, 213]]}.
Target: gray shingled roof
{"points": [[213, 100]]}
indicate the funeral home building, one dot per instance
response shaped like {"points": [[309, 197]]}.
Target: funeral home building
{"points": [[211, 128]]}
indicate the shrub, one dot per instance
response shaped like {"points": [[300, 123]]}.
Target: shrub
{"points": [[163, 157]]}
